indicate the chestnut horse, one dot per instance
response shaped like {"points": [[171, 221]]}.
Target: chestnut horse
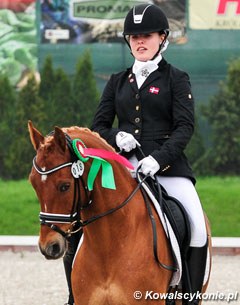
{"points": [[115, 263]]}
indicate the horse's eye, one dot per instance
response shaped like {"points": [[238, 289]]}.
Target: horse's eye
{"points": [[64, 187]]}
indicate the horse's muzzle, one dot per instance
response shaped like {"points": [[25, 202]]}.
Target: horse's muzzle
{"points": [[54, 249]]}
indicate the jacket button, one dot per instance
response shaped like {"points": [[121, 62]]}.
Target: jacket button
{"points": [[136, 131], [137, 107], [137, 120], [137, 96]]}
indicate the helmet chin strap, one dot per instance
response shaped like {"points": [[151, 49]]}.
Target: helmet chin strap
{"points": [[159, 50], [127, 42], [162, 47]]}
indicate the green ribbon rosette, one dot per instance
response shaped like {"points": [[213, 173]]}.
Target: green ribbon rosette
{"points": [[107, 173]]}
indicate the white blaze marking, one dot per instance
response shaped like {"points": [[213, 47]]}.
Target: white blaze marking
{"points": [[43, 177]]}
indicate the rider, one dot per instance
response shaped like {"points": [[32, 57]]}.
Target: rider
{"points": [[154, 106]]}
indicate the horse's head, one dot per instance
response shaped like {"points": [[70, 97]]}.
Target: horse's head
{"points": [[60, 182], [57, 190]]}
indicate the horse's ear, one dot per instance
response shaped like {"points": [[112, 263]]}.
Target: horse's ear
{"points": [[59, 138], [36, 137]]}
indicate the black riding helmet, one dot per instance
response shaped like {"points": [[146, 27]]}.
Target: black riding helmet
{"points": [[144, 19]]}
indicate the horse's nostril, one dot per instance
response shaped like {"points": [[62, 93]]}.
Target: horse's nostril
{"points": [[54, 250]]}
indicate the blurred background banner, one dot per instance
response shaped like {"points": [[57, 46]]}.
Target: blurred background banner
{"points": [[81, 21], [218, 14]]}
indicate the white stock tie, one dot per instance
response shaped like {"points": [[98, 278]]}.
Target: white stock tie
{"points": [[142, 69]]}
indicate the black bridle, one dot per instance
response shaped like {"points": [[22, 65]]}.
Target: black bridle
{"points": [[50, 219], [74, 219]]}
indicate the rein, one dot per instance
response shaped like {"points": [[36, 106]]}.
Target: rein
{"points": [[111, 211]]}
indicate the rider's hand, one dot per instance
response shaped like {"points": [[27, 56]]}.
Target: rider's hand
{"points": [[149, 165], [126, 141]]}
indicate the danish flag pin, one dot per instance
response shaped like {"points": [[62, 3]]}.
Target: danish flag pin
{"points": [[154, 90]]}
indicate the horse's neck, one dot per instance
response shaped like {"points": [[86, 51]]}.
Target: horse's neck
{"points": [[122, 222]]}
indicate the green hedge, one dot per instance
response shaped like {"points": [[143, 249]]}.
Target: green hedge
{"points": [[19, 208]]}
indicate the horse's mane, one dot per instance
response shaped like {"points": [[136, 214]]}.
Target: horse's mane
{"points": [[76, 131]]}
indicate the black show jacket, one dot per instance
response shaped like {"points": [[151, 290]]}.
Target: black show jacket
{"points": [[160, 115]]}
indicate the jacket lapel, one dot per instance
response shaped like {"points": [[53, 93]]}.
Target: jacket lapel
{"points": [[132, 81]]}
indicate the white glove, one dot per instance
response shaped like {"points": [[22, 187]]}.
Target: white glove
{"points": [[126, 141], [149, 165]]}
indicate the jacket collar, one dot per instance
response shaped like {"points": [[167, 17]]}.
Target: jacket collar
{"points": [[156, 74]]}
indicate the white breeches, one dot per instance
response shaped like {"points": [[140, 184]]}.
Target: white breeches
{"points": [[183, 189]]}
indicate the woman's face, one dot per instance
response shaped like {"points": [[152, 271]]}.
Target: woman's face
{"points": [[145, 46]]}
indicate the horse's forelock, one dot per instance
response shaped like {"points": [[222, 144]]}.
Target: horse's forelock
{"points": [[48, 145]]}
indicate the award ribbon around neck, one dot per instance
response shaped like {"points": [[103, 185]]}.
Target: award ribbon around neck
{"points": [[99, 157]]}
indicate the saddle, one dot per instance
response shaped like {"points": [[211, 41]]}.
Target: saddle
{"points": [[175, 213]]}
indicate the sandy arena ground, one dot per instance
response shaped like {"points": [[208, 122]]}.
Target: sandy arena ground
{"points": [[27, 278]]}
